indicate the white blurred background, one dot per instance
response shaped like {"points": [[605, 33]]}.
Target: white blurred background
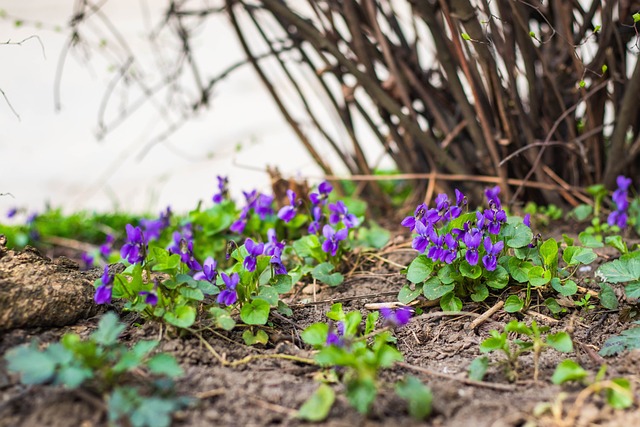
{"points": [[54, 157]]}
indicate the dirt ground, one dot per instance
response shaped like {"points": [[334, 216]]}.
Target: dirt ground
{"points": [[437, 348]]}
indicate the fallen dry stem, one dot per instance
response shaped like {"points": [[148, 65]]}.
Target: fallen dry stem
{"points": [[486, 315], [467, 381]]}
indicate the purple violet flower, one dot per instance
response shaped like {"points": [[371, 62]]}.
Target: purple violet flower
{"points": [[103, 292], [492, 197], [472, 240], [229, 295], [272, 244], [490, 260], [222, 189], [527, 220], [336, 335], [339, 212], [333, 238], [410, 221], [12, 212], [421, 241], [619, 216], [323, 193], [396, 317], [314, 226], [87, 259], [451, 253], [494, 219], [254, 249], [209, 272], [135, 248], [276, 262], [105, 248], [151, 297], [287, 213]]}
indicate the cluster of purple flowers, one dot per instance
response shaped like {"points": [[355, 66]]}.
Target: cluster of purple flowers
{"points": [[318, 200], [103, 292], [619, 216], [153, 228], [104, 251], [440, 246], [260, 203], [274, 248]]}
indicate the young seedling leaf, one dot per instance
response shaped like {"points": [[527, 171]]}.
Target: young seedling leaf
{"points": [[567, 289], [624, 269], [260, 337], [316, 334], [255, 312], [317, 407], [478, 368], [418, 395], [568, 370], [561, 341], [406, 294], [513, 304], [109, 329], [165, 364], [183, 316], [627, 340], [450, 302], [34, 366], [620, 397], [607, 296]]}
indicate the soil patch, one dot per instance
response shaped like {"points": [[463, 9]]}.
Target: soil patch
{"points": [[265, 391]]}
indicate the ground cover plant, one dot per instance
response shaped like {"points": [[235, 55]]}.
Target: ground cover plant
{"points": [[245, 275]]}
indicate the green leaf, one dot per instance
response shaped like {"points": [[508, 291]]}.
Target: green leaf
{"points": [[255, 313], [434, 288], [478, 368], [567, 289], [450, 302], [284, 309], [574, 255], [516, 235], [513, 304], [163, 260], [334, 356], [549, 253], [538, 276], [164, 364], [73, 376], [568, 370], [519, 269], [361, 393], [317, 407], [406, 295], [418, 395], [109, 329], [632, 290], [561, 341], [470, 271], [370, 322], [627, 340], [589, 240], [34, 366], [153, 412], [222, 318], [607, 296], [316, 334], [466, 36], [336, 312], [375, 236], [282, 283], [496, 342], [497, 279], [581, 213], [133, 358], [624, 269], [620, 398], [553, 305], [183, 316], [260, 337], [604, 67], [419, 269], [617, 243], [191, 293], [636, 17], [480, 292], [269, 294], [322, 272]]}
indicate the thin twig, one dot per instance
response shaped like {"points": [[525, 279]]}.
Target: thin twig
{"points": [[487, 314]]}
